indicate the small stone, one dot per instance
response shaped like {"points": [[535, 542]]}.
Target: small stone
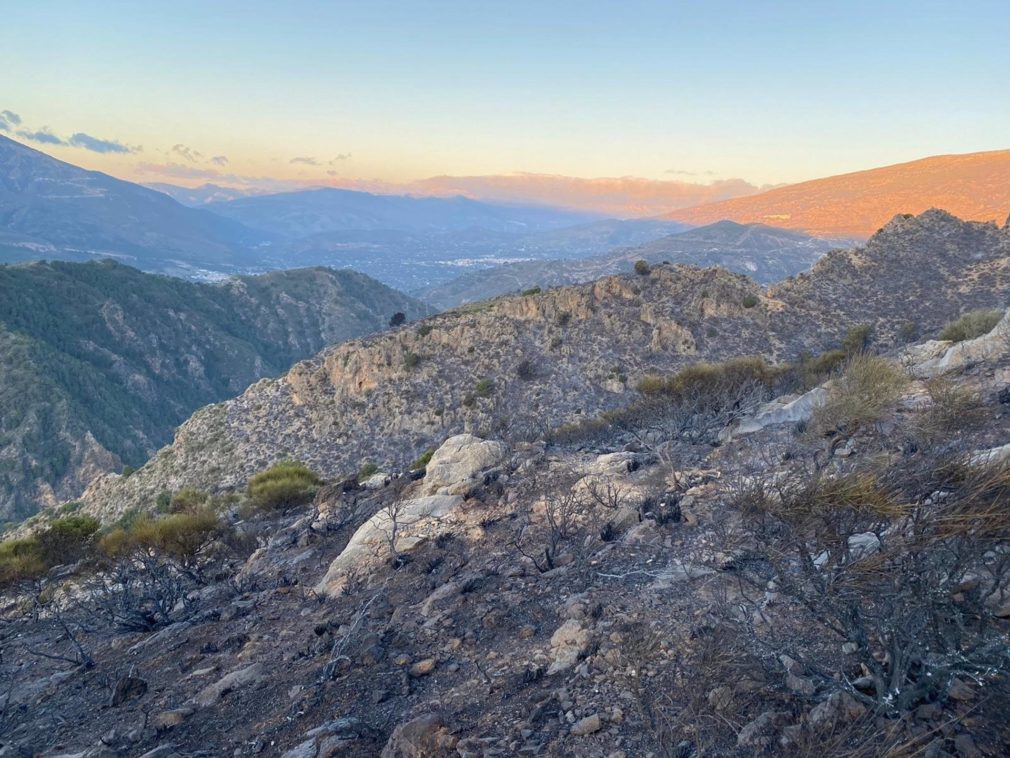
{"points": [[127, 688], [422, 668], [527, 631], [169, 719], [849, 648], [960, 691], [965, 746], [588, 725]]}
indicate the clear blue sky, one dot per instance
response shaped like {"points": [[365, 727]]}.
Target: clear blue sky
{"points": [[768, 91]]}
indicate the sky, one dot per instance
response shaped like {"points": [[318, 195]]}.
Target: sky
{"points": [[393, 92]]}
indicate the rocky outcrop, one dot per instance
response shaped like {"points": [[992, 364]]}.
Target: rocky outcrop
{"points": [[533, 363], [937, 357], [457, 461], [789, 409]]}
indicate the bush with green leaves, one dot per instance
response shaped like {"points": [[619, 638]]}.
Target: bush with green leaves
{"points": [[367, 470], [484, 388], [971, 325], [20, 560], [869, 387], [642, 268], [422, 460], [188, 500], [749, 301], [67, 539], [284, 485]]}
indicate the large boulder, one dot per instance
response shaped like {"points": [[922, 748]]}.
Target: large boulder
{"points": [[457, 463], [423, 737], [409, 521], [784, 410], [935, 357]]}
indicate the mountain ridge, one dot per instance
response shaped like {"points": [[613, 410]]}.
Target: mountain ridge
{"points": [[973, 186], [101, 361], [566, 355]]}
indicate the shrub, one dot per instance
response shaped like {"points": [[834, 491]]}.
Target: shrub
{"points": [[424, 330], [564, 318], [66, 539], [163, 502], [366, 471], [856, 339], [950, 410], [284, 485], [526, 370], [20, 560], [128, 471], [869, 387], [531, 291], [188, 500], [971, 325], [484, 388], [652, 384], [422, 460], [815, 369], [749, 301], [410, 360], [642, 268], [710, 378], [397, 319], [180, 535]]}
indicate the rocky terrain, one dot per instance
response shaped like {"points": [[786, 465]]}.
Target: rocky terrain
{"points": [[546, 360], [748, 585], [101, 362], [763, 253], [972, 186]]}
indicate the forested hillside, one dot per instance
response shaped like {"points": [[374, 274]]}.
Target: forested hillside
{"points": [[100, 362]]}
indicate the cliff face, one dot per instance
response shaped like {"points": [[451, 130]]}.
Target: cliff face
{"points": [[100, 362], [533, 363]]}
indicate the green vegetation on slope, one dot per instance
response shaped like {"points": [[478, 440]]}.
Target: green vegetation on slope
{"points": [[104, 351]]}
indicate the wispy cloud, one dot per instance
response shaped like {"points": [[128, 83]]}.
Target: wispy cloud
{"points": [[219, 160], [96, 145], [682, 172], [305, 160], [43, 136], [341, 157], [8, 120], [187, 153]]}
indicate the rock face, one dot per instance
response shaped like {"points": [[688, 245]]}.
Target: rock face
{"points": [[422, 511], [938, 357], [458, 460], [530, 364], [787, 410], [404, 522]]}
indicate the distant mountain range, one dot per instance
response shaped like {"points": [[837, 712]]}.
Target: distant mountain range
{"points": [[317, 211], [974, 186], [100, 362], [51, 209], [762, 252], [202, 195]]}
